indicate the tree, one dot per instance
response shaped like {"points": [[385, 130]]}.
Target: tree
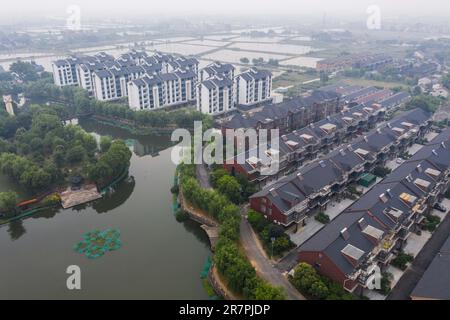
{"points": [[105, 143], [446, 81], [75, 154], [273, 62], [25, 70], [228, 186], [264, 291], [8, 201], [99, 171], [324, 77], [381, 171], [426, 103], [257, 220], [216, 175], [244, 60]]}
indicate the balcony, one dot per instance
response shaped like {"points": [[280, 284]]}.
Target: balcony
{"points": [[384, 256]]}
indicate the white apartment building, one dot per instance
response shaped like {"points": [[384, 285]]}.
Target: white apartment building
{"points": [[107, 78], [217, 69], [162, 90], [111, 84], [253, 86], [64, 72], [216, 95]]}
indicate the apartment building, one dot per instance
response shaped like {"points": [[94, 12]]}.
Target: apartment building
{"points": [[289, 115], [311, 187], [216, 95], [307, 143], [65, 72], [223, 70], [106, 78], [253, 86], [162, 90], [369, 233]]}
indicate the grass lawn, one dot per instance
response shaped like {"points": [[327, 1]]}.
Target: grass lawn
{"points": [[292, 78], [368, 83]]}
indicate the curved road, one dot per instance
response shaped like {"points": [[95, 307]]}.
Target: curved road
{"points": [[253, 250], [264, 267]]}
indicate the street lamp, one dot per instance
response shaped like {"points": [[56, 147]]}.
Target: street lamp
{"points": [[272, 240]]}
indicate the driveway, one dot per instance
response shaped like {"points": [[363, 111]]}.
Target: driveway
{"points": [[203, 176], [413, 274], [257, 257]]}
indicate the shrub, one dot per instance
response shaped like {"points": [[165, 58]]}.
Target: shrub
{"points": [[401, 260], [431, 222], [181, 216], [322, 218], [381, 171], [386, 279]]}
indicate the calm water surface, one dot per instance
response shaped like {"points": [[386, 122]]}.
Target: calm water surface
{"points": [[160, 258]]}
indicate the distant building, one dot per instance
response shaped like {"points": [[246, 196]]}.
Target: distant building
{"points": [[8, 100], [162, 90], [217, 69], [216, 95], [253, 86], [107, 78], [360, 61]]}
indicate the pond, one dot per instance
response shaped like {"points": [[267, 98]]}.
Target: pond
{"points": [[159, 258]]}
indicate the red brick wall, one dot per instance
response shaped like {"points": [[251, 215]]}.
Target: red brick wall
{"points": [[255, 204], [327, 267]]}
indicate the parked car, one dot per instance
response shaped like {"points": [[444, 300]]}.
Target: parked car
{"points": [[440, 207], [399, 161]]}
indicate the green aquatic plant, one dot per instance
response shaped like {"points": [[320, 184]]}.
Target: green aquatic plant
{"points": [[96, 243]]}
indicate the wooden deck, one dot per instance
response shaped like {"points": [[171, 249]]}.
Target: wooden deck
{"points": [[71, 198]]}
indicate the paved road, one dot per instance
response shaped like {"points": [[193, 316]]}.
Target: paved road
{"points": [[261, 262], [411, 277], [255, 253], [203, 176], [289, 261]]}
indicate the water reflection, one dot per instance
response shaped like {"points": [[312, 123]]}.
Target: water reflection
{"points": [[16, 229], [116, 198], [194, 228], [142, 145]]}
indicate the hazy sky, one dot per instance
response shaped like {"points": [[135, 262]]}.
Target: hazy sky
{"points": [[19, 9]]}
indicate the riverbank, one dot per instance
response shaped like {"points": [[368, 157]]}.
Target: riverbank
{"points": [[233, 266], [67, 198], [132, 127]]}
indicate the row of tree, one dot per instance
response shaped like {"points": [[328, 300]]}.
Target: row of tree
{"points": [[78, 103], [230, 261]]}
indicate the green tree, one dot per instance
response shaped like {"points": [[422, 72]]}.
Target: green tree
{"points": [[8, 201], [264, 291], [105, 143], [228, 186], [244, 60], [75, 154]]}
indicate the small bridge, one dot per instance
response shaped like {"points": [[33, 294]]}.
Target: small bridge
{"points": [[213, 234]]}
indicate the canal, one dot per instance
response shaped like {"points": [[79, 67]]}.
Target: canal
{"points": [[159, 259]]}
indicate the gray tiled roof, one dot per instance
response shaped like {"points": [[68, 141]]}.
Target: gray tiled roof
{"points": [[435, 282], [370, 207]]}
